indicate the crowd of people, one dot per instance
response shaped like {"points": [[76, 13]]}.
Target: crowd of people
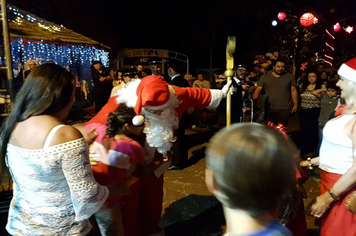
{"points": [[63, 186]]}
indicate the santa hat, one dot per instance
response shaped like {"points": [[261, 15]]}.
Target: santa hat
{"points": [[153, 94], [348, 70]]}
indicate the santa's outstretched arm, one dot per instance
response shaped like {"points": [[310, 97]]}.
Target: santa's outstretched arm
{"points": [[197, 97]]}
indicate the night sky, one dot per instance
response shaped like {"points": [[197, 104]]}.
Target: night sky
{"points": [[192, 27]]}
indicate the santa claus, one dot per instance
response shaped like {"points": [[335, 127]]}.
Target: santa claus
{"points": [[159, 106]]}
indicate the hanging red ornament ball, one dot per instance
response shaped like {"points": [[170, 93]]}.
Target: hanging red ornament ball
{"points": [[281, 16], [307, 19], [337, 27]]}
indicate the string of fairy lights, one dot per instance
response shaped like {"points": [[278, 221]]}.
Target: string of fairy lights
{"points": [[64, 54]]}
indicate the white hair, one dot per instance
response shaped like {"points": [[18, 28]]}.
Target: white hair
{"points": [[127, 94], [349, 95]]}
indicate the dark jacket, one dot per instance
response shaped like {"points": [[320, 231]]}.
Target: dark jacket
{"points": [[236, 104], [179, 81]]}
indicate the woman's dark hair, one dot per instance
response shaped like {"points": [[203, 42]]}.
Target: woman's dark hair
{"points": [[325, 73], [117, 119], [47, 90], [306, 81], [253, 166]]}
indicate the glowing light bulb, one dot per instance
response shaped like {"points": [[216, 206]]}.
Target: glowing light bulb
{"points": [[337, 27], [349, 29], [281, 16]]}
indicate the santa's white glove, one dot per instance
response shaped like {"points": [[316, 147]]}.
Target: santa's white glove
{"points": [[226, 87]]}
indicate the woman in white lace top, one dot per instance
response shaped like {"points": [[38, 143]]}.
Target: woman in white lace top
{"points": [[54, 192]]}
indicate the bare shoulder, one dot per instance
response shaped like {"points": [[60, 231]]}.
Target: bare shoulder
{"points": [[65, 134]]}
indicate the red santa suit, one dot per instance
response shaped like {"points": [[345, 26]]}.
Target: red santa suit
{"points": [[142, 209], [189, 97]]}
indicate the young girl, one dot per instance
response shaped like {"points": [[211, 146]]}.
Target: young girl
{"points": [[118, 159], [250, 169]]}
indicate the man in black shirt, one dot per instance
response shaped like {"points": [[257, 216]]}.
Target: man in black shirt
{"points": [[238, 94], [103, 86], [180, 146]]}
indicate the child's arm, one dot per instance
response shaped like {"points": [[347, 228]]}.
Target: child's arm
{"points": [[318, 91]]}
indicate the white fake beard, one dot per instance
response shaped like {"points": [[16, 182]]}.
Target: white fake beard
{"points": [[159, 130]]}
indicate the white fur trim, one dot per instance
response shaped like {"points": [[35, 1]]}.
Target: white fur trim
{"points": [[138, 120], [347, 73], [127, 94], [216, 96]]}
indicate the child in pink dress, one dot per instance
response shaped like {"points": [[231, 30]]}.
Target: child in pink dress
{"points": [[116, 161]]}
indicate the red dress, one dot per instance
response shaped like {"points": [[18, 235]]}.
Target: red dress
{"points": [[337, 220], [337, 215]]}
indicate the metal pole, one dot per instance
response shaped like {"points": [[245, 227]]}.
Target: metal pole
{"points": [[229, 73], [187, 65], [7, 46]]}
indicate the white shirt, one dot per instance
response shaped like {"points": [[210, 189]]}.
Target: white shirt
{"points": [[54, 190], [336, 147]]}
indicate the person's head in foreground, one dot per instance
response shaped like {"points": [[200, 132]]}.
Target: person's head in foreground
{"points": [[347, 84], [48, 90], [251, 171]]}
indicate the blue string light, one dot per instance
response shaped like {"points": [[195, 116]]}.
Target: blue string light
{"points": [[77, 58]]}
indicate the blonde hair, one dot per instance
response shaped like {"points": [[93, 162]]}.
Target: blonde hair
{"points": [[350, 97]]}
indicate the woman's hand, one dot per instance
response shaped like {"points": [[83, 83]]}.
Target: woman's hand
{"points": [[321, 205], [350, 203], [90, 136], [304, 163], [310, 162]]}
